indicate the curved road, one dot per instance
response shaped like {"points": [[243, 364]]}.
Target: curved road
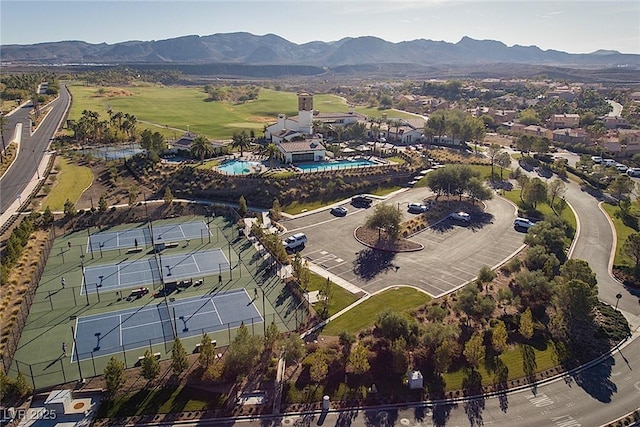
{"points": [[32, 147]]}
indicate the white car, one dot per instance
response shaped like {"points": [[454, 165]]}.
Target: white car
{"points": [[621, 167], [417, 208], [295, 241], [596, 159], [461, 216], [633, 172], [523, 223]]}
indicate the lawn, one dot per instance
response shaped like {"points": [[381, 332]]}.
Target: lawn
{"points": [[160, 400], [71, 181], [340, 297], [545, 358], [623, 231], [173, 110], [364, 315], [543, 209]]}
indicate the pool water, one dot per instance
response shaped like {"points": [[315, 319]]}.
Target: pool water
{"points": [[335, 165], [238, 167]]}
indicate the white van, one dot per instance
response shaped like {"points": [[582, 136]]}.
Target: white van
{"points": [[295, 241]]}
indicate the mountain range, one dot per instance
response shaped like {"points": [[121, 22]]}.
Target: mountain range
{"points": [[248, 49]]}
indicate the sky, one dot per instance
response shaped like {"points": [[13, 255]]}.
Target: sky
{"points": [[574, 26]]}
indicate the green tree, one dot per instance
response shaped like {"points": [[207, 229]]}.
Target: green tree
{"points": [[535, 192], [631, 247], [476, 190], [358, 362], [443, 355], [294, 349], [318, 367], [114, 375], [240, 141], [271, 337], [474, 350], [179, 362], [621, 187], [21, 387], [69, 209], [168, 196], [576, 299], [529, 116], [150, 367], [503, 160], [492, 152], [207, 351], [102, 203], [47, 217], [327, 293], [526, 324], [499, 337], [399, 357], [393, 325], [555, 189], [201, 148], [385, 217], [242, 207], [486, 275], [578, 269], [242, 353], [346, 340], [275, 213], [133, 195]]}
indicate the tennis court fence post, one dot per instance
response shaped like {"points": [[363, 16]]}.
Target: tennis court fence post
{"points": [[64, 376], [124, 355], [93, 362], [33, 379]]}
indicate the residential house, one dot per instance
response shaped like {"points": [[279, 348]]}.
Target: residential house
{"points": [[571, 136], [503, 116], [538, 131], [561, 121], [623, 143], [614, 122]]}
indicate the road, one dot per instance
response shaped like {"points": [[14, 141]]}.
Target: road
{"points": [[32, 148]]}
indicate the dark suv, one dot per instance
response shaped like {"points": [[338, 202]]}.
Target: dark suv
{"points": [[361, 201]]}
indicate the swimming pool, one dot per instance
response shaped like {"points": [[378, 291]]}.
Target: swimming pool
{"points": [[335, 165], [238, 167]]}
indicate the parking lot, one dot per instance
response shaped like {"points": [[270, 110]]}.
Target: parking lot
{"points": [[452, 255]]}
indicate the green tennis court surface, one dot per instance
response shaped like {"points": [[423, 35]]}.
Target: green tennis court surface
{"points": [[128, 274], [108, 333]]}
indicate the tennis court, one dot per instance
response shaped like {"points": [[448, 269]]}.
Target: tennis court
{"points": [[108, 333], [107, 240], [129, 274]]}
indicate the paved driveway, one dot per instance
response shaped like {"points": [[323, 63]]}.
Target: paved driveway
{"points": [[452, 255]]}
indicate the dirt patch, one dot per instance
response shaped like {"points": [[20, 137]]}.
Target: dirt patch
{"points": [[103, 93]]}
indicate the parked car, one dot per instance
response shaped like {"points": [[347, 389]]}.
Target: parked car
{"points": [[461, 216], [523, 223], [633, 172], [596, 159], [609, 162], [417, 208], [139, 293], [339, 211], [361, 201], [296, 241], [621, 167]]}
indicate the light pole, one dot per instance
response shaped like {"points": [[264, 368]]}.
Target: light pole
{"points": [[84, 280], [75, 344], [35, 162], [618, 296]]}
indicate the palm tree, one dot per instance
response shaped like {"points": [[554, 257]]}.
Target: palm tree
{"points": [[270, 150], [241, 141], [201, 148]]}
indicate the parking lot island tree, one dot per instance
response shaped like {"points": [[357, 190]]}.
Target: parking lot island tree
{"points": [[179, 362], [385, 217], [114, 375]]}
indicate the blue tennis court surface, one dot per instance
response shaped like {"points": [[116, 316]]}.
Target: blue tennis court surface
{"points": [[109, 333], [128, 274], [107, 240]]}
